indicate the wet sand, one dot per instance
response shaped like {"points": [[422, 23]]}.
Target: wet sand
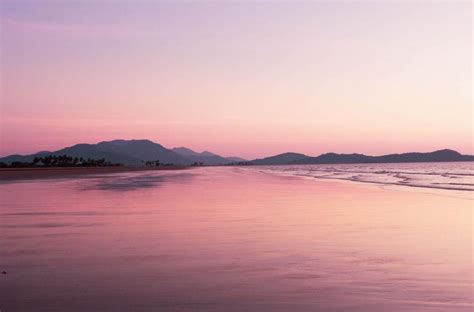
{"points": [[7, 174], [231, 239]]}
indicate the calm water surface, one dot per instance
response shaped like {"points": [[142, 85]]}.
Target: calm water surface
{"points": [[233, 239]]}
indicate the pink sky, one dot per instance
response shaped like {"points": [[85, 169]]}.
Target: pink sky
{"points": [[242, 79]]}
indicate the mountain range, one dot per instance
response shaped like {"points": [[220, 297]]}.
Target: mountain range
{"points": [[131, 153], [333, 158], [137, 152]]}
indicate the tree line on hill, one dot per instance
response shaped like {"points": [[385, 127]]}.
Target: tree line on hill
{"points": [[69, 161], [60, 161]]}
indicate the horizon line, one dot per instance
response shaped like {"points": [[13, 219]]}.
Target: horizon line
{"points": [[255, 158]]}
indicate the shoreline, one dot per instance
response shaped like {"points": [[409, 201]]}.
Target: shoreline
{"points": [[9, 174]]}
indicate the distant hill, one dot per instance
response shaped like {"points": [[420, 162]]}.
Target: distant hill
{"points": [[145, 150], [333, 158], [205, 157], [281, 159], [129, 152], [138, 152]]}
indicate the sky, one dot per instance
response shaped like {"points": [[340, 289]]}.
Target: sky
{"points": [[247, 79]]}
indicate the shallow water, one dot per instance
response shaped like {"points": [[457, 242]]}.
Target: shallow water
{"points": [[447, 176], [232, 239]]}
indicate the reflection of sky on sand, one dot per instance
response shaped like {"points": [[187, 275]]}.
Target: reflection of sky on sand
{"points": [[134, 181], [231, 239]]}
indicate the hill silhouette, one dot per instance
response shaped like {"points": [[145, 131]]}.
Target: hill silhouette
{"points": [[128, 152], [280, 159], [141, 152], [333, 158], [205, 157]]}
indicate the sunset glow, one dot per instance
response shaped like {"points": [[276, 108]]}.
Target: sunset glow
{"points": [[245, 79]]}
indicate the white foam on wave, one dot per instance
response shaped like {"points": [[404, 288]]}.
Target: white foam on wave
{"points": [[457, 176]]}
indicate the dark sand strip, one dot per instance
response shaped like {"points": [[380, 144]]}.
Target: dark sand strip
{"points": [[8, 174]]}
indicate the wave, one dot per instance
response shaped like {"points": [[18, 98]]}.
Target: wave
{"points": [[445, 176]]}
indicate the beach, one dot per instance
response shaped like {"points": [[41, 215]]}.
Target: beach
{"points": [[232, 239], [7, 174]]}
